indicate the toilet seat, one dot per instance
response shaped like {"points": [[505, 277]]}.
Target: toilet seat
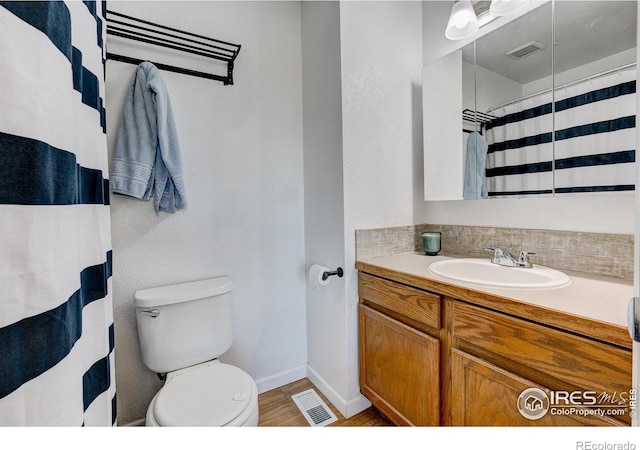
{"points": [[209, 395]]}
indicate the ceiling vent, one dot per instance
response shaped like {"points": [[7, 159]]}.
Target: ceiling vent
{"points": [[526, 50], [481, 8]]}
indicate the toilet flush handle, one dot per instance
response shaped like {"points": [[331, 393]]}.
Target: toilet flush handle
{"points": [[151, 312]]}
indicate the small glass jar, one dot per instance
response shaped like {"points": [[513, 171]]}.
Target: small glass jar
{"points": [[431, 242]]}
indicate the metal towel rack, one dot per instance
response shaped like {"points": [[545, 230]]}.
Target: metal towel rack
{"points": [[128, 27], [471, 116]]}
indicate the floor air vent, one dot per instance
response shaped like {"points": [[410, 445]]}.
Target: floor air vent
{"points": [[313, 408]]}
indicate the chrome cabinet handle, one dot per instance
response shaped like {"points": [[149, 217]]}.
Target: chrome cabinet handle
{"points": [[151, 312]]}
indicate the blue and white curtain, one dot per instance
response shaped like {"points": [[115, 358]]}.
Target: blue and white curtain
{"points": [[56, 315], [594, 148]]}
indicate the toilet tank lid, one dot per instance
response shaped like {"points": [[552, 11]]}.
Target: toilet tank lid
{"points": [[183, 292]]}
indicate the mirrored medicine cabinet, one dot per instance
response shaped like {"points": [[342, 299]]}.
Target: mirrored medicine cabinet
{"points": [[543, 105]]}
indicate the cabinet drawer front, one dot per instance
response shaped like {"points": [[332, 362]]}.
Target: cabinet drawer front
{"points": [[405, 303], [572, 361]]}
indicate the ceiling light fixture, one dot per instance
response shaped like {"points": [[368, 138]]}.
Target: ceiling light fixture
{"points": [[462, 21], [503, 7]]}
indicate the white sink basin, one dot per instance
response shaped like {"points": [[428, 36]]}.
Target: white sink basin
{"points": [[485, 273]]}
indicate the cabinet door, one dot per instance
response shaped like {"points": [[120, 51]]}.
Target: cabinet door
{"points": [[399, 369], [486, 395]]}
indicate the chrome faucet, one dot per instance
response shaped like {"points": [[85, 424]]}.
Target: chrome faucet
{"points": [[504, 258]]}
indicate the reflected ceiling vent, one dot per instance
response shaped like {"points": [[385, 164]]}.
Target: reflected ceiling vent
{"points": [[481, 8], [526, 50]]}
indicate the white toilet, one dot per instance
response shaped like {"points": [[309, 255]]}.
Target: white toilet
{"points": [[183, 328]]}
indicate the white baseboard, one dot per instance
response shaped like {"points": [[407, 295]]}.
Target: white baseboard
{"points": [[280, 379], [357, 405], [347, 408]]}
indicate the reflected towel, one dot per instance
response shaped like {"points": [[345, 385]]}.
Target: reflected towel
{"points": [[474, 173]]}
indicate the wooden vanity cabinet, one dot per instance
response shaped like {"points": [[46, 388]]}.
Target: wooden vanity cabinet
{"points": [[399, 345], [431, 359]]}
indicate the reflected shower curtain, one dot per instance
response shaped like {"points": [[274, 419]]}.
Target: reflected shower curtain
{"points": [[595, 140], [56, 315], [595, 137], [520, 154]]}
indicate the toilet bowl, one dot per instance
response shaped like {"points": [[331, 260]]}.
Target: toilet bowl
{"points": [[211, 394], [183, 329]]}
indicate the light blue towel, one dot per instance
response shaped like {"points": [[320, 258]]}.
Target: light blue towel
{"points": [[474, 173], [146, 161]]}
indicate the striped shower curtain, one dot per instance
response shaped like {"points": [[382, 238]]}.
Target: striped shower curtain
{"points": [[56, 316], [594, 145]]}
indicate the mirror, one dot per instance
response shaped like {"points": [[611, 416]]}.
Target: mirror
{"points": [[594, 93], [514, 81], [553, 119]]}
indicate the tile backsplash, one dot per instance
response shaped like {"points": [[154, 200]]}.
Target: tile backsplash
{"points": [[595, 253]]}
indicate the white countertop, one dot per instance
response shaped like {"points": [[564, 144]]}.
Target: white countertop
{"points": [[598, 298]]}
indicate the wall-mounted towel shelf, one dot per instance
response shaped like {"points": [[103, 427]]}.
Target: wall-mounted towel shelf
{"points": [[478, 117], [128, 27]]}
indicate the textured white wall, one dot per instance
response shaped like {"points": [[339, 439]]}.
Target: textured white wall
{"points": [[323, 194], [443, 136], [381, 46], [606, 213], [242, 154]]}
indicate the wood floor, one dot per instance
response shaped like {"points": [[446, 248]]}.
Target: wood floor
{"points": [[278, 410]]}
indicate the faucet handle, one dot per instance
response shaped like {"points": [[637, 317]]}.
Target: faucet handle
{"points": [[523, 259], [497, 253]]}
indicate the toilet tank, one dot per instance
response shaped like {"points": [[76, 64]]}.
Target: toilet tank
{"points": [[184, 324]]}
